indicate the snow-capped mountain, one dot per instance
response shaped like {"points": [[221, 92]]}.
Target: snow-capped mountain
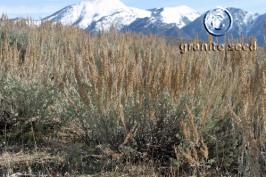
{"points": [[242, 23], [181, 21], [180, 15], [258, 29], [102, 14]]}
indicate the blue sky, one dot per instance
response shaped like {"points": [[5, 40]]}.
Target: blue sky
{"points": [[42, 8]]}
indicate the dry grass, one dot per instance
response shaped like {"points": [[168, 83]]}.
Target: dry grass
{"points": [[12, 159], [191, 114], [15, 162]]}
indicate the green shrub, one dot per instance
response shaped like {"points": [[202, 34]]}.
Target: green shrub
{"points": [[28, 112]]}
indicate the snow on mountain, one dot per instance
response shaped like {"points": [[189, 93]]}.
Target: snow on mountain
{"points": [[180, 21], [87, 12], [250, 17], [102, 14], [257, 29], [179, 15], [242, 21], [249, 20], [119, 19]]}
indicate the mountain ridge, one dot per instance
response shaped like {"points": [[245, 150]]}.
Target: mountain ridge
{"points": [[179, 21], [87, 12]]}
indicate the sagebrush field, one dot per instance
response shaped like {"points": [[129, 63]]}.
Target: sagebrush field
{"points": [[125, 104]]}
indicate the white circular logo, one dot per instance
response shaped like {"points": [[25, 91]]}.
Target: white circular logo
{"points": [[218, 21]]}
